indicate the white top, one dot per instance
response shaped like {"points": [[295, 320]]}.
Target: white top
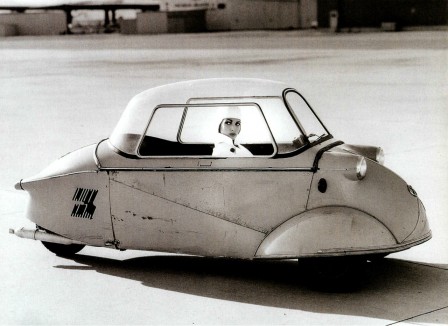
{"points": [[134, 119], [226, 148]]}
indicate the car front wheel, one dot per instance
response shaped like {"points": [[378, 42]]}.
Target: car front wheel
{"points": [[333, 274]]}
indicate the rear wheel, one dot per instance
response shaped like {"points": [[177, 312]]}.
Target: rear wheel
{"points": [[62, 249]]}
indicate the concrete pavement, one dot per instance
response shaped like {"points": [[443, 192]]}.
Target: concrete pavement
{"points": [[60, 93]]}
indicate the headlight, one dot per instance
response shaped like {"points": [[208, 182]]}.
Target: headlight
{"points": [[356, 168], [361, 168]]}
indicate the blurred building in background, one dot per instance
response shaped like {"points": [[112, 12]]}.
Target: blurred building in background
{"points": [[394, 14], [33, 23], [261, 14], [224, 15], [192, 16]]}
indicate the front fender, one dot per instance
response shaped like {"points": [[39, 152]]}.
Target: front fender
{"points": [[327, 231]]}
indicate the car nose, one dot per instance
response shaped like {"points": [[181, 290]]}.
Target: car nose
{"points": [[422, 228]]}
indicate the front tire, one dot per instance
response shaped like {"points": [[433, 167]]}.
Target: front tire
{"points": [[334, 274]]}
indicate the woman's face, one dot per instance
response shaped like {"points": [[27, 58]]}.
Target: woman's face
{"points": [[230, 127]]}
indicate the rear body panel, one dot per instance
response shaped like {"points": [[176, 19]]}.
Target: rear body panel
{"points": [[75, 206]]}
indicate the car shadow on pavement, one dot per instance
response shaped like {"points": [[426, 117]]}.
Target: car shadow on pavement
{"points": [[389, 289]]}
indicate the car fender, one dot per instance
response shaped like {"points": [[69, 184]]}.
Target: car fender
{"points": [[327, 231]]}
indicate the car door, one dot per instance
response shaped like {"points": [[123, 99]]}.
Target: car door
{"points": [[183, 199]]}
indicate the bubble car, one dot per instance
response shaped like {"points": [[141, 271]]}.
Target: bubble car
{"points": [[238, 168]]}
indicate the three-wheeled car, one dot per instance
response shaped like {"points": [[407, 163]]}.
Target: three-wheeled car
{"points": [[239, 168]]}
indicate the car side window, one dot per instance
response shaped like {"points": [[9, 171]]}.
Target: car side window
{"points": [[214, 130], [285, 131]]}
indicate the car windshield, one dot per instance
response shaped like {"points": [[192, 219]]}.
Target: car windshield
{"points": [[309, 123]]}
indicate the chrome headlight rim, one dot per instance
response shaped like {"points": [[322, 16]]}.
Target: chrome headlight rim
{"points": [[361, 168]]}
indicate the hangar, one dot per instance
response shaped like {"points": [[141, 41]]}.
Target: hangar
{"points": [[49, 17], [151, 16], [261, 14], [353, 15]]}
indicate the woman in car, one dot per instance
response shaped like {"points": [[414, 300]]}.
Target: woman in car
{"points": [[230, 128]]}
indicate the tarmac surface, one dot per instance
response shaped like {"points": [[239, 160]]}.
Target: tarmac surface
{"points": [[60, 93]]}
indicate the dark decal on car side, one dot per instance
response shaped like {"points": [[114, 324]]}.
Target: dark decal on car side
{"points": [[85, 208]]}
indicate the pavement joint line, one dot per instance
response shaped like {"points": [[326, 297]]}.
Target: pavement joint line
{"points": [[425, 313]]}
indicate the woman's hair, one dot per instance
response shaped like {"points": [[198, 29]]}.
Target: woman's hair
{"points": [[220, 124]]}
